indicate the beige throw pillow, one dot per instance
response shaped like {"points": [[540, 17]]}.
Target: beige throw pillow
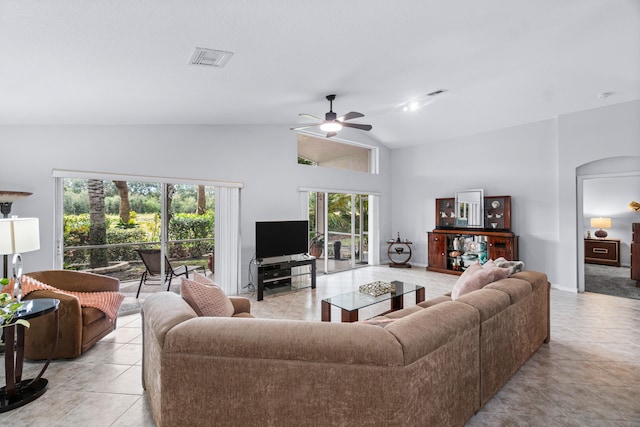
{"points": [[201, 278], [477, 277], [206, 300]]}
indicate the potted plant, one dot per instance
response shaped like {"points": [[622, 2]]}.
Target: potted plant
{"points": [[316, 245], [9, 307]]}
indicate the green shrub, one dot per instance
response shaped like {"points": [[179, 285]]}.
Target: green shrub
{"points": [[124, 235], [191, 226], [139, 230]]}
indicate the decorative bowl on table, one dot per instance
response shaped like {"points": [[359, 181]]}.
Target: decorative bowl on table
{"points": [[376, 288]]}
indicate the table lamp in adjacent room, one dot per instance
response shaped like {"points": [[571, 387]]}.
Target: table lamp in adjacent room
{"points": [[600, 224], [18, 235]]}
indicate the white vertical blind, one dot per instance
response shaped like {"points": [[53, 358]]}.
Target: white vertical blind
{"points": [[374, 230], [227, 244]]}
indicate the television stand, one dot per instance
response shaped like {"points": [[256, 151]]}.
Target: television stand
{"points": [[279, 273]]}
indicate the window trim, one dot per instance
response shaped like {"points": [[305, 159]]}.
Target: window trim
{"points": [[105, 176], [374, 164], [59, 175]]}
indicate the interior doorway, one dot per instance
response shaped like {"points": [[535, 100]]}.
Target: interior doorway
{"points": [[605, 189]]}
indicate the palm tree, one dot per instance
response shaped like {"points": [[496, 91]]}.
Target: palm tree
{"points": [[97, 224], [125, 210], [201, 201]]}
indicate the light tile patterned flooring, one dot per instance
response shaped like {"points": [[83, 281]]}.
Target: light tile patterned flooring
{"points": [[589, 375]]}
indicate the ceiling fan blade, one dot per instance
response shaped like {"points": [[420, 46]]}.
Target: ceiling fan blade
{"points": [[350, 115], [357, 126], [311, 116], [304, 126], [330, 134]]}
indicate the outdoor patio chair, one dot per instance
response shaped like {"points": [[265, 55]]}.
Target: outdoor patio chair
{"points": [[151, 260]]}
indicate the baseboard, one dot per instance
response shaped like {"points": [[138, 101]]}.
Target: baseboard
{"points": [[564, 288]]}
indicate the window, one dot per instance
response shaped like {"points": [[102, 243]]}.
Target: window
{"points": [[336, 154], [106, 221], [190, 241]]}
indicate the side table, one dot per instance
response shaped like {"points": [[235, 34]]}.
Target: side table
{"points": [[19, 392], [399, 253], [602, 251]]}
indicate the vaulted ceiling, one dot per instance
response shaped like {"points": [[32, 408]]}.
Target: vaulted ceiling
{"points": [[501, 62]]}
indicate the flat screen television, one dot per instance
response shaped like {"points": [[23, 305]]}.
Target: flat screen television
{"points": [[280, 238]]}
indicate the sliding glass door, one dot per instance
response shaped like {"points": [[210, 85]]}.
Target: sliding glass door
{"points": [[339, 224], [106, 221]]}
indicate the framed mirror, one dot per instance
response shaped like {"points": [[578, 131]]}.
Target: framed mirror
{"points": [[470, 209]]}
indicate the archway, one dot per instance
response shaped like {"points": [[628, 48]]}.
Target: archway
{"points": [[610, 169]]}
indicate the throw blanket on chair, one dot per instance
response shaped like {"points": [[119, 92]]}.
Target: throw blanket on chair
{"points": [[106, 302]]}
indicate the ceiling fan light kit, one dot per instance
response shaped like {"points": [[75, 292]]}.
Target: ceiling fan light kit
{"points": [[332, 123], [331, 127]]}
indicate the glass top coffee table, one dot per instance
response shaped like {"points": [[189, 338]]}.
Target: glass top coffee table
{"points": [[351, 302]]}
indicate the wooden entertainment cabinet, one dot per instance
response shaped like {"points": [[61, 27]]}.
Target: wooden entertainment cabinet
{"points": [[280, 273], [448, 244], [440, 246]]}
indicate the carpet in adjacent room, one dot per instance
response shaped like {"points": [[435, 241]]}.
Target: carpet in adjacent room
{"points": [[608, 280]]}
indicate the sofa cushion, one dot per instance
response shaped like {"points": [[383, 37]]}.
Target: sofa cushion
{"points": [[206, 300], [398, 314], [515, 288], [434, 301], [476, 277], [488, 302], [536, 278], [377, 321]]}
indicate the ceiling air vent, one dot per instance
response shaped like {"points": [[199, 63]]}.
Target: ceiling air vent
{"points": [[210, 57], [437, 92]]}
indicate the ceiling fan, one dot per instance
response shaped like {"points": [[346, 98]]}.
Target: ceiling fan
{"points": [[332, 123]]}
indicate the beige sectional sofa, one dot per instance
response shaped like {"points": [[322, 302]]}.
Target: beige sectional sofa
{"points": [[435, 364]]}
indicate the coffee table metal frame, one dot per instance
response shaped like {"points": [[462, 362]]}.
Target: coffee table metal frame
{"points": [[351, 302]]}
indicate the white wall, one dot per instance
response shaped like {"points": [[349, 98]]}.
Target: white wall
{"points": [[512, 162], [587, 138], [264, 158], [534, 163]]}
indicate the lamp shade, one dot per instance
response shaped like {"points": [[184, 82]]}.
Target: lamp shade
{"points": [[601, 222], [19, 235]]}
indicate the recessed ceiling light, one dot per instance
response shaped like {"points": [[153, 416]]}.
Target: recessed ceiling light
{"points": [[411, 106], [210, 57], [417, 103]]}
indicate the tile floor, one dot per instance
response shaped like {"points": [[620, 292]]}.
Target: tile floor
{"points": [[589, 375]]}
